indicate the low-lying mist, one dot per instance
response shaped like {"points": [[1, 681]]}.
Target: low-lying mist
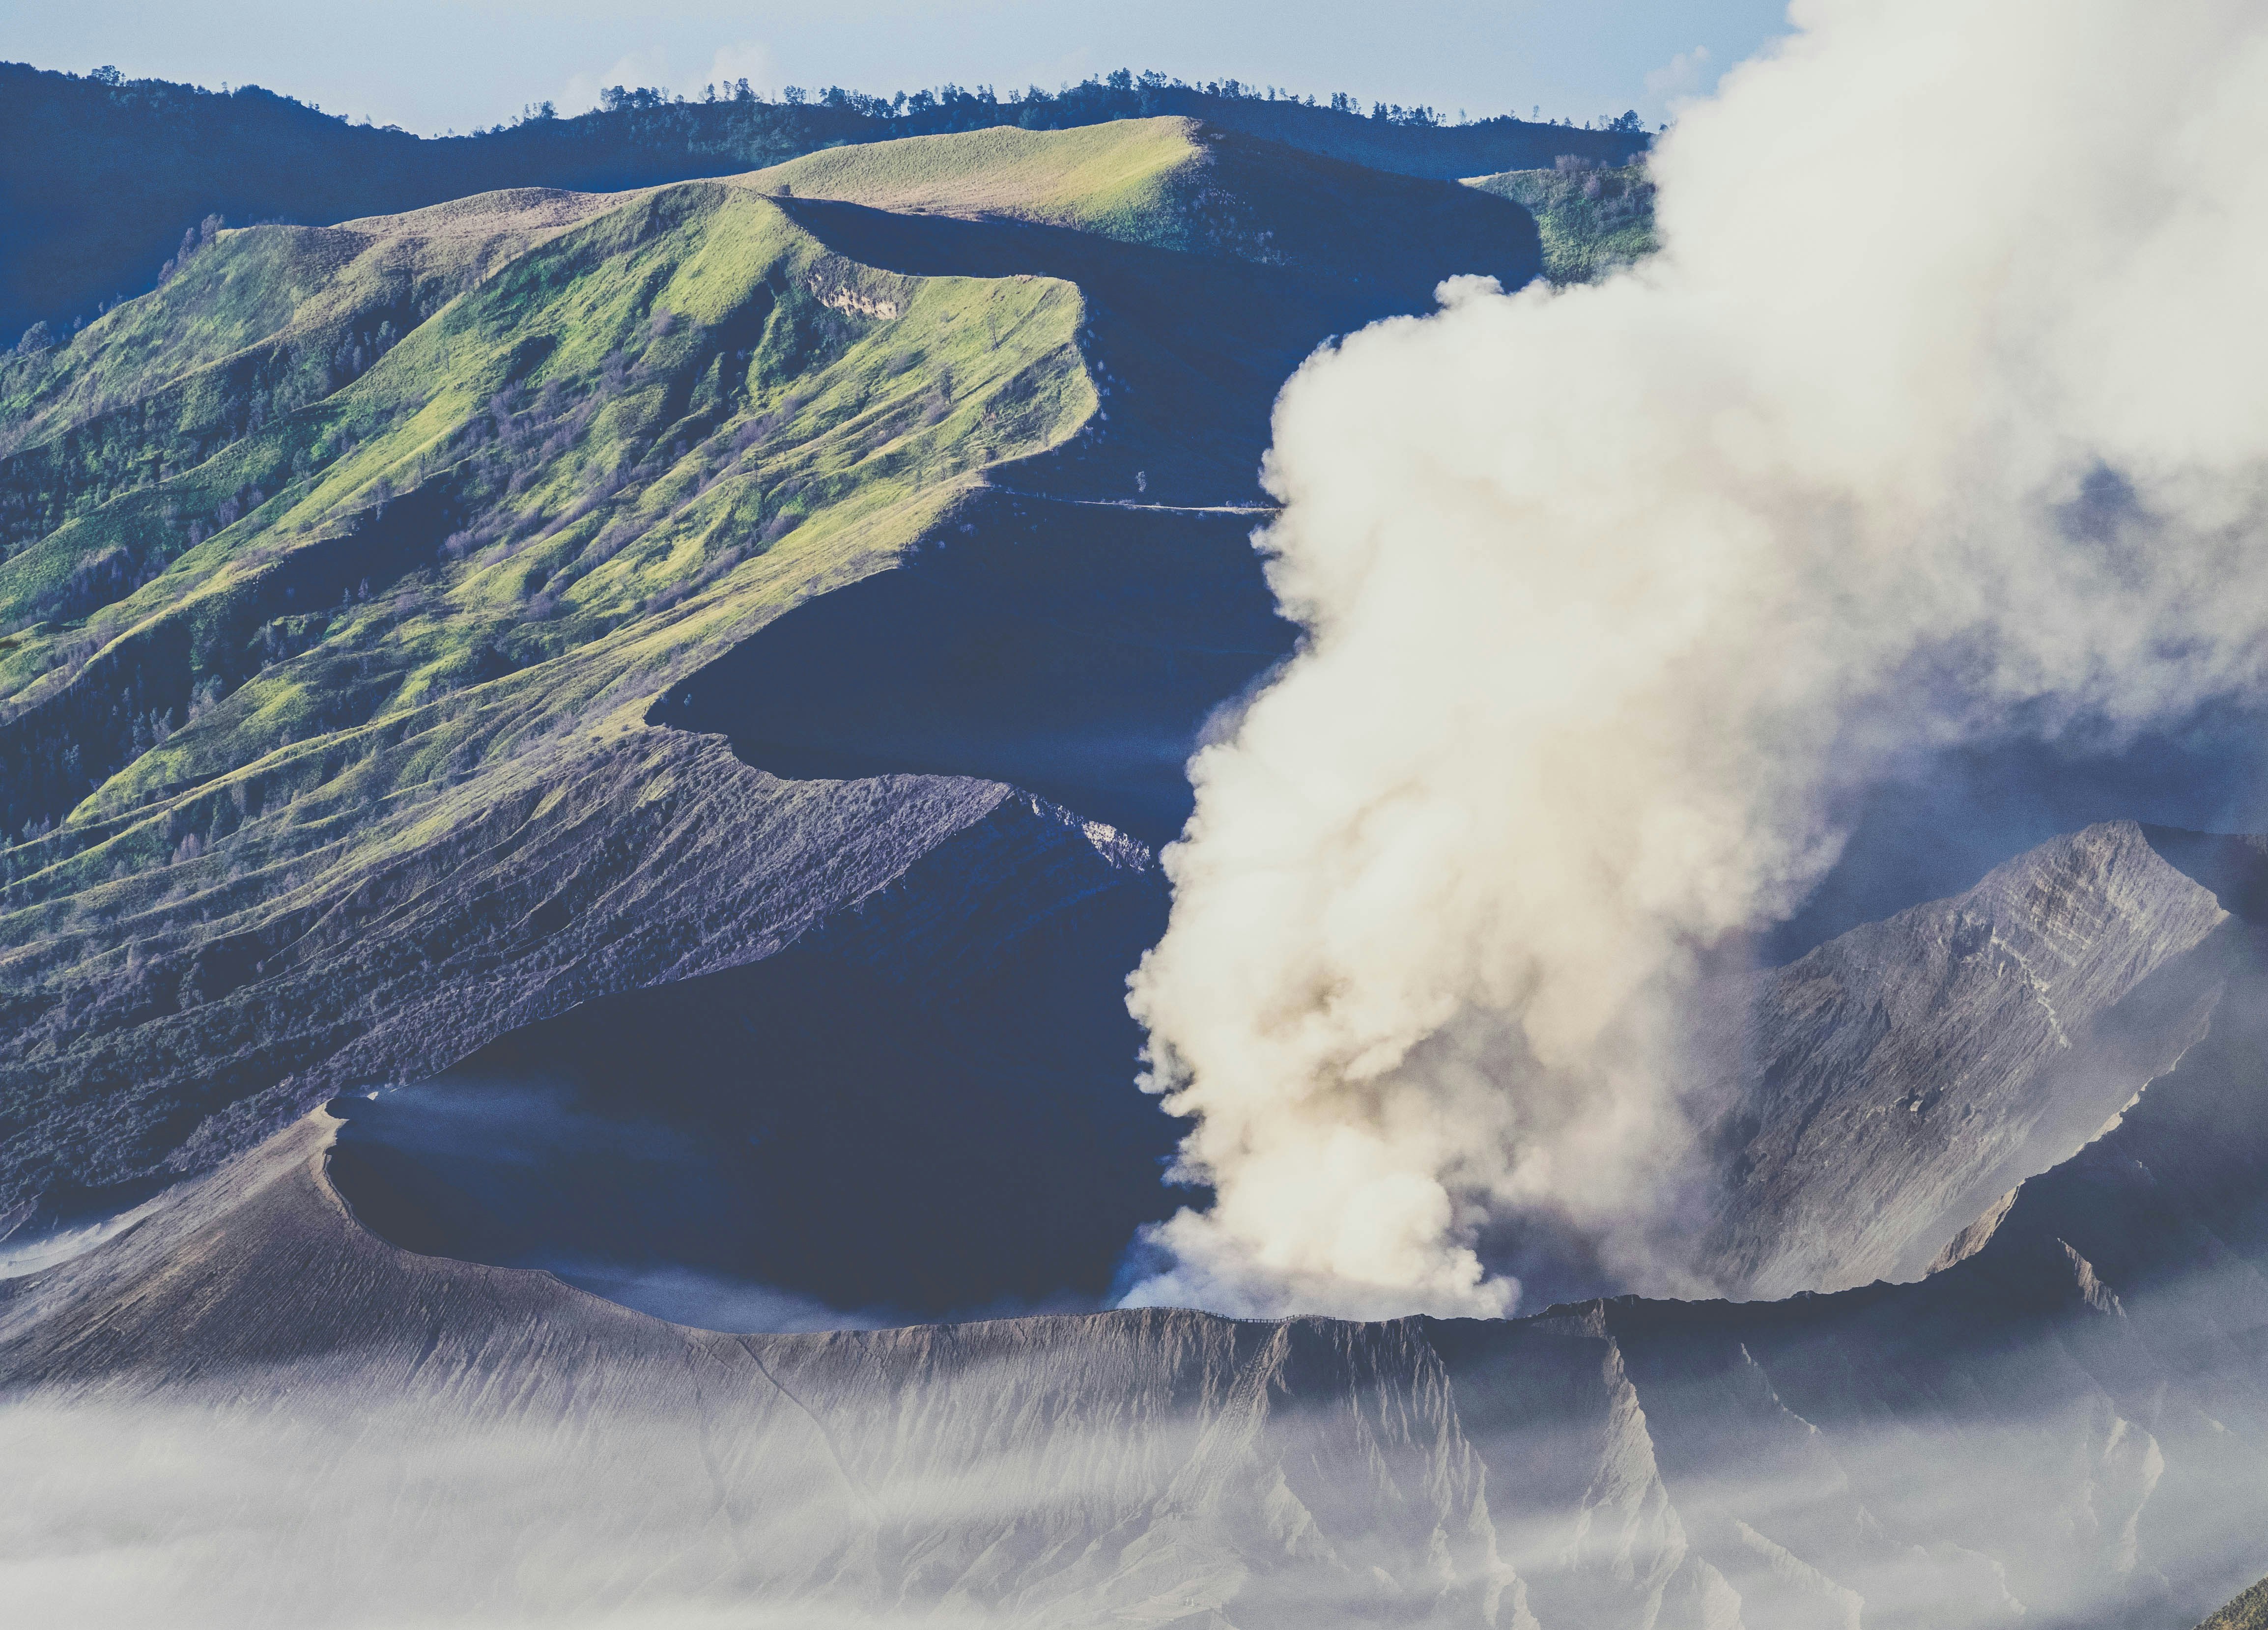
{"points": [[1937, 427], [304, 1505]]}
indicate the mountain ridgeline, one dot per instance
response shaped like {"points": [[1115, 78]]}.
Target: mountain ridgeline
{"points": [[384, 604], [101, 177], [581, 773], [1594, 217]]}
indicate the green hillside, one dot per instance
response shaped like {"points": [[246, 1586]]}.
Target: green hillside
{"points": [[2249, 1611], [687, 372], [331, 289], [102, 175], [1592, 219], [1167, 183], [343, 571]]}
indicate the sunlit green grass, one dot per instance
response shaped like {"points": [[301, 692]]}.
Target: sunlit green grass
{"points": [[2249, 1611], [1593, 220], [650, 431]]}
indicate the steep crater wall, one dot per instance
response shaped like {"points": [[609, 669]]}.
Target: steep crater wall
{"points": [[1073, 649], [924, 1106]]}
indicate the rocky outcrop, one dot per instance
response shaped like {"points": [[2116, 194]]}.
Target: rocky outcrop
{"points": [[1881, 1091], [921, 1106], [636, 862], [301, 887], [2068, 1426]]}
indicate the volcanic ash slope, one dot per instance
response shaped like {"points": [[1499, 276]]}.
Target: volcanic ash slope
{"points": [[2067, 1423]]}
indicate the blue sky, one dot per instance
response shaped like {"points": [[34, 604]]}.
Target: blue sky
{"points": [[431, 65]]}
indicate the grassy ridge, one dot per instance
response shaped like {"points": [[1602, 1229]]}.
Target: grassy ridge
{"points": [[2247, 1612], [344, 570], [583, 465], [1115, 178], [453, 586], [101, 177], [1171, 183], [1593, 220], [347, 660], [321, 285]]}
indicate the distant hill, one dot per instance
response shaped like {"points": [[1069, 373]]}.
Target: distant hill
{"points": [[1594, 217], [1445, 152], [100, 177], [343, 576], [2249, 1611], [1173, 183]]}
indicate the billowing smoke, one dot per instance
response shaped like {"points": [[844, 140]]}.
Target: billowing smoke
{"points": [[1940, 420]]}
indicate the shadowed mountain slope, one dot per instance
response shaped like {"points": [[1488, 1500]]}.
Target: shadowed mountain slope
{"points": [[347, 571], [2067, 1426], [1182, 185], [1880, 1093], [260, 761], [1070, 648], [921, 1106], [1873, 1100], [100, 177]]}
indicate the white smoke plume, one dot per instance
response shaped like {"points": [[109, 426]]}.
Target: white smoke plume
{"points": [[1940, 418]]}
